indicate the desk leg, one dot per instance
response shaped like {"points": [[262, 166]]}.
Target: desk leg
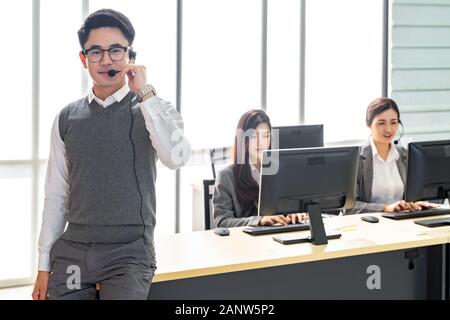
{"points": [[437, 272], [446, 258]]}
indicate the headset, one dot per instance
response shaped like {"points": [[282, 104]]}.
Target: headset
{"points": [[112, 73], [396, 141], [134, 166], [132, 54], [401, 132]]}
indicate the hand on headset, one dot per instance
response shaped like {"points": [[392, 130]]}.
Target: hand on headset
{"points": [[137, 76]]}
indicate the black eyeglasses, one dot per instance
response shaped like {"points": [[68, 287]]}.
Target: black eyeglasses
{"points": [[116, 53]]}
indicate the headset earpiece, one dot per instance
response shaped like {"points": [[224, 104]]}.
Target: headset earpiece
{"points": [[401, 132], [132, 55]]}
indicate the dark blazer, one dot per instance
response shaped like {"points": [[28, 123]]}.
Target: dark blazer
{"points": [[227, 211], [365, 180]]}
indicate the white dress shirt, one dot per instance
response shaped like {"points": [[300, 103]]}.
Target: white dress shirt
{"points": [[165, 128], [387, 185]]}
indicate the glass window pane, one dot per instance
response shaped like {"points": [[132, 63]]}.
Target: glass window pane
{"points": [[221, 77], [15, 222], [41, 195], [61, 69], [283, 61], [343, 65], [221, 67], [15, 112]]}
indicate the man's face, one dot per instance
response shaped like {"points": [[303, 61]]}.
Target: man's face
{"points": [[105, 38]]}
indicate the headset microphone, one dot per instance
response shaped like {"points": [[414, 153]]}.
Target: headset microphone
{"points": [[131, 55], [112, 72], [401, 134]]}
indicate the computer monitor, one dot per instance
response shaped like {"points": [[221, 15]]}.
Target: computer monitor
{"points": [[308, 180], [301, 136], [428, 175]]}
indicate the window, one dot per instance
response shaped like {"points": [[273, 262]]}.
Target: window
{"points": [[343, 65], [221, 79], [15, 222], [221, 68], [15, 113], [15, 141], [60, 68], [283, 62]]}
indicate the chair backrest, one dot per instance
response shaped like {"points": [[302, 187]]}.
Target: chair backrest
{"points": [[219, 156], [207, 204]]}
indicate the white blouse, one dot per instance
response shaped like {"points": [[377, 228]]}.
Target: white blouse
{"points": [[387, 185]]}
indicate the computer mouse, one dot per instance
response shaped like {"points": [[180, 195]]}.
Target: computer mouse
{"points": [[222, 231], [371, 219]]}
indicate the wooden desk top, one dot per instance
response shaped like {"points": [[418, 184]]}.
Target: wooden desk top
{"points": [[203, 253]]}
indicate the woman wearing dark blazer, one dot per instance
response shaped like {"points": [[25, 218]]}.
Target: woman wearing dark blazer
{"points": [[236, 191], [382, 168]]}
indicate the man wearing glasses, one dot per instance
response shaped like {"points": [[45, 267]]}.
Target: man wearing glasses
{"points": [[101, 173]]}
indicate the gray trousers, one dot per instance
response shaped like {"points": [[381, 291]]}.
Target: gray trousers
{"points": [[124, 271]]}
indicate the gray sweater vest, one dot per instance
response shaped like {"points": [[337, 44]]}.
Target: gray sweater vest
{"points": [[111, 186]]}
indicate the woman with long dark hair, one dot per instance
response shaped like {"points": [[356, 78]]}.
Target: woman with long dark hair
{"points": [[236, 191]]}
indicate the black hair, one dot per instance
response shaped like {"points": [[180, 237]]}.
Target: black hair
{"points": [[106, 18], [379, 106]]}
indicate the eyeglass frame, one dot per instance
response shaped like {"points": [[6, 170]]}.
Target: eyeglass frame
{"points": [[85, 52]]}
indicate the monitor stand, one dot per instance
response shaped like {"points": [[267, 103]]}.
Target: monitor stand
{"points": [[433, 223], [318, 235]]}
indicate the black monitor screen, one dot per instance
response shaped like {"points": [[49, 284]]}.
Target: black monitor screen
{"points": [[302, 136], [428, 176], [292, 179]]}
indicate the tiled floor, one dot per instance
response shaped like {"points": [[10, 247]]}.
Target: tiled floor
{"points": [[16, 293]]}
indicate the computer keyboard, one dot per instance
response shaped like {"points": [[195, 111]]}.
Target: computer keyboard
{"points": [[256, 231], [416, 214]]}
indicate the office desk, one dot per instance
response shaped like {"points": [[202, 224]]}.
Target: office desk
{"points": [[202, 265]]}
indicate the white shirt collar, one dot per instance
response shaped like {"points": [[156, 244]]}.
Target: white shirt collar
{"points": [[393, 154], [115, 97]]}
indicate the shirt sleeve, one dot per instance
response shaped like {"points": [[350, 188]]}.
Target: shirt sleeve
{"points": [[165, 127], [56, 195]]}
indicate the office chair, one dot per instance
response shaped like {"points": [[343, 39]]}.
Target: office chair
{"points": [[219, 156], [207, 197]]}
